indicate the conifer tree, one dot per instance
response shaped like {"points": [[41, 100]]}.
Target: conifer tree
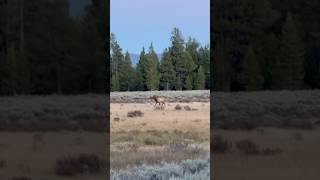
{"points": [[117, 60], [115, 84], [152, 74], [142, 69], [251, 74], [189, 83], [192, 47], [126, 74], [292, 56], [199, 82], [177, 56], [167, 73]]}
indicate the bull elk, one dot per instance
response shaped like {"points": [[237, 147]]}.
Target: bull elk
{"points": [[158, 100]]}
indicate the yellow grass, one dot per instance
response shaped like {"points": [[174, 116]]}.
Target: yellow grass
{"points": [[168, 119], [155, 130]]}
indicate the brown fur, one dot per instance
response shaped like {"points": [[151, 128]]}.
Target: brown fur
{"points": [[158, 100]]}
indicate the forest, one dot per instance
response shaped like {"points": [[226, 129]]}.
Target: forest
{"points": [[256, 45], [265, 45], [182, 66], [44, 50]]}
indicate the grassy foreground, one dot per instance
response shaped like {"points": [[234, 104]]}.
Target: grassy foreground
{"points": [[152, 143], [266, 135], [53, 137]]}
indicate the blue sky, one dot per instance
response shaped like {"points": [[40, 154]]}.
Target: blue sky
{"points": [[137, 23]]}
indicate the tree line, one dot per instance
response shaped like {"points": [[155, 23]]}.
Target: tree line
{"points": [[266, 44], [44, 50], [182, 66]]}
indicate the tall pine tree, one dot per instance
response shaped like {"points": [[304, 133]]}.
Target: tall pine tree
{"points": [[291, 63], [167, 73], [251, 73]]}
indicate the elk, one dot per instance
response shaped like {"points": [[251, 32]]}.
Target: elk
{"points": [[158, 100]]}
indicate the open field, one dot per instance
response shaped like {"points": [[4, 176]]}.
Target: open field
{"points": [[53, 137], [25, 154], [298, 160], [156, 136], [266, 135], [196, 120]]}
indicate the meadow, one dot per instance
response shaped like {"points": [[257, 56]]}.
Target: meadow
{"points": [[266, 135], [147, 141], [53, 137], [255, 133]]}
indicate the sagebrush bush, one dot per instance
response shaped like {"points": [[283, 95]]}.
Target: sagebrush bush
{"points": [[171, 96], [188, 169], [53, 113], [21, 178], [135, 113], [250, 110], [270, 151], [3, 163], [175, 146], [81, 164], [248, 147], [187, 108], [220, 145], [177, 107]]}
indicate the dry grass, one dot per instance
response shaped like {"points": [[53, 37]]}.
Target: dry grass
{"points": [[160, 135], [161, 120], [281, 155], [283, 141], [23, 161]]}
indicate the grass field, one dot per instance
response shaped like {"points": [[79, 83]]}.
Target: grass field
{"points": [[25, 155], [155, 135], [53, 137], [266, 135], [263, 135]]}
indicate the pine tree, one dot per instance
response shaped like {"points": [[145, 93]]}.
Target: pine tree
{"points": [[152, 79], [177, 56], [117, 60], [192, 47], [126, 74], [204, 61], [167, 73], [142, 69], [115, 84], [251, 73], [190, 66], [270, 57], [189, 83], [292, 56], [199, 82]]}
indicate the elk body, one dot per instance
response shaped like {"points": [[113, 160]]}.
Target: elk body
{"points": [[158, 100]]}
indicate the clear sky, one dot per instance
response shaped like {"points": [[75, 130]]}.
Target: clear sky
{"points": [[137, 23]]}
